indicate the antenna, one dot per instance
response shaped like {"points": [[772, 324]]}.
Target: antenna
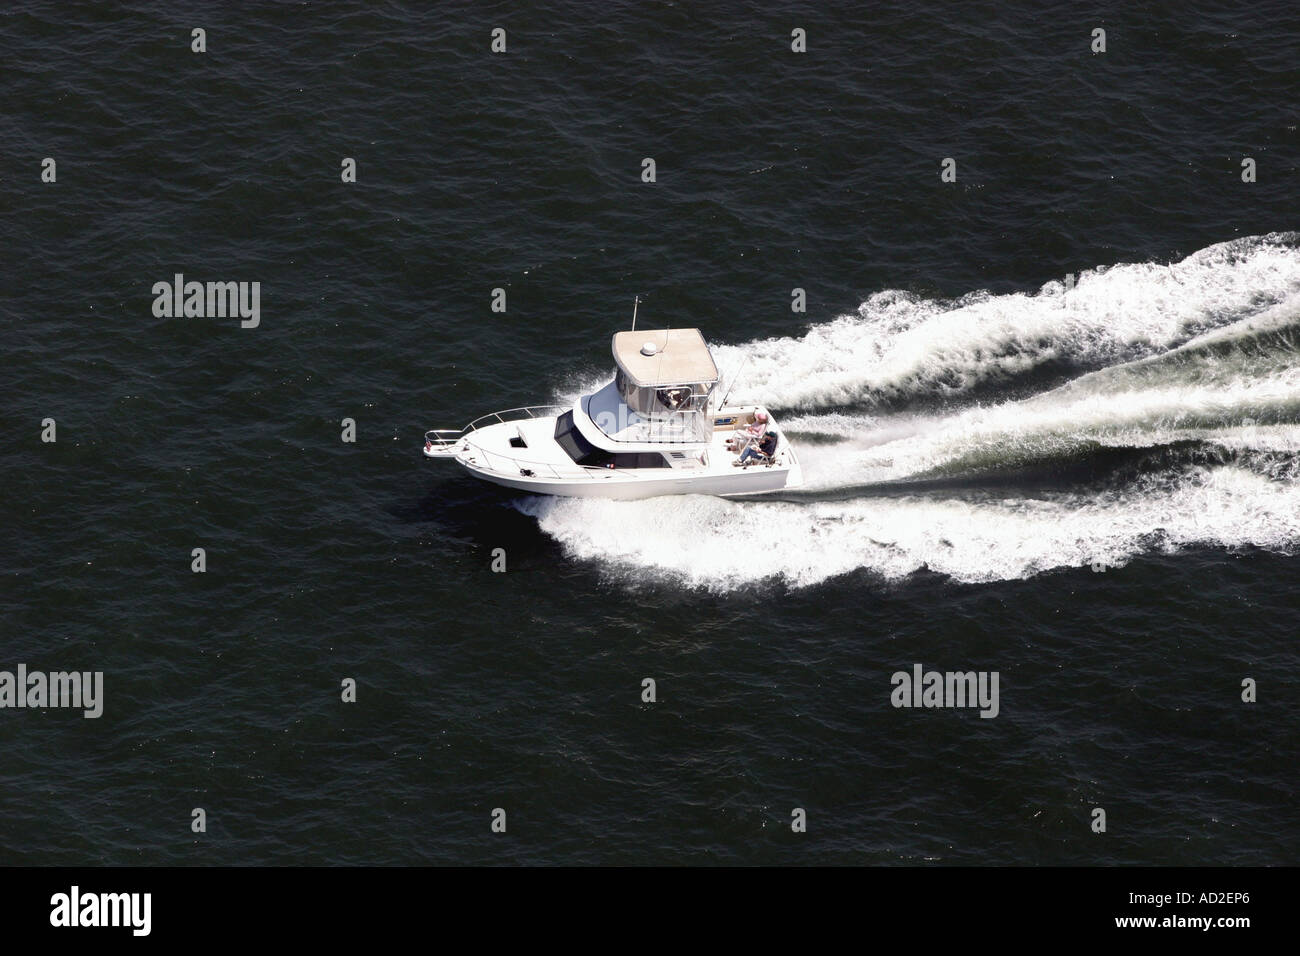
{"points": [[635, 302], [734, 379]]}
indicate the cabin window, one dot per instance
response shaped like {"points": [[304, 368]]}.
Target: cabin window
{"points": [[575, 446], [584, 452], [650, 401], [644, 459], [675, 397]]}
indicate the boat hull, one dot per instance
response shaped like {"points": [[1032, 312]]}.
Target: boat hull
{"points": [[517, 449], [755, 480]]}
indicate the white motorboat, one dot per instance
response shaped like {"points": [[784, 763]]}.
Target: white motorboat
{"points": [[653, 430]]}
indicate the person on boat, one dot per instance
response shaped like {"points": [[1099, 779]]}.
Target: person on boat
{"points": [[746, 434], [767, 446]]}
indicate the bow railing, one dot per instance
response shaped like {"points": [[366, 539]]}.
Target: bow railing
{"points": [[441, 437]]}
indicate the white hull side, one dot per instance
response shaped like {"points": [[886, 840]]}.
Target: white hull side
{"points": [[754, 480]]}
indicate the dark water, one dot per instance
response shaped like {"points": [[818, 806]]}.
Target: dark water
{"points": [[978, 432]]}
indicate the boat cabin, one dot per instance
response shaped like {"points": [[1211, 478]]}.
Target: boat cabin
{"points": [[664, 372], [661, 389]]}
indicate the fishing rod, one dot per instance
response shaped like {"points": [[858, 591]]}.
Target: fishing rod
{"points": [[735, 379]]}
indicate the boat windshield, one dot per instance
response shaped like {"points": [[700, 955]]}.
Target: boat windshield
{"points": [[650, 401], [585, 453], [668, 413], [575, 446]]}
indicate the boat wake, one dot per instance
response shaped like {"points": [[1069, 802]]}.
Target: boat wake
{"points": [[1147, 408]]}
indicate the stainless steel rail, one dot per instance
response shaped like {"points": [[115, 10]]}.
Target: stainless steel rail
{"points": [[449, 436], [494, 461]]}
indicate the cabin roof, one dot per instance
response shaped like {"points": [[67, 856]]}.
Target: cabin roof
{"points": [[681, 357]]}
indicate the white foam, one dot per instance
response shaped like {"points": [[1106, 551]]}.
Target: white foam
{"points": [[898, 345], [722, 546], [1177, 356], [1237, 413]]}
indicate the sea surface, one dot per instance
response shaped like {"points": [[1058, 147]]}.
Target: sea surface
{"points": [[1048, 413]]}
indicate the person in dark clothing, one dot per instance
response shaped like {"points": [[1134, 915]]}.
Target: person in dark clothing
{"points": [[767, 446]]}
